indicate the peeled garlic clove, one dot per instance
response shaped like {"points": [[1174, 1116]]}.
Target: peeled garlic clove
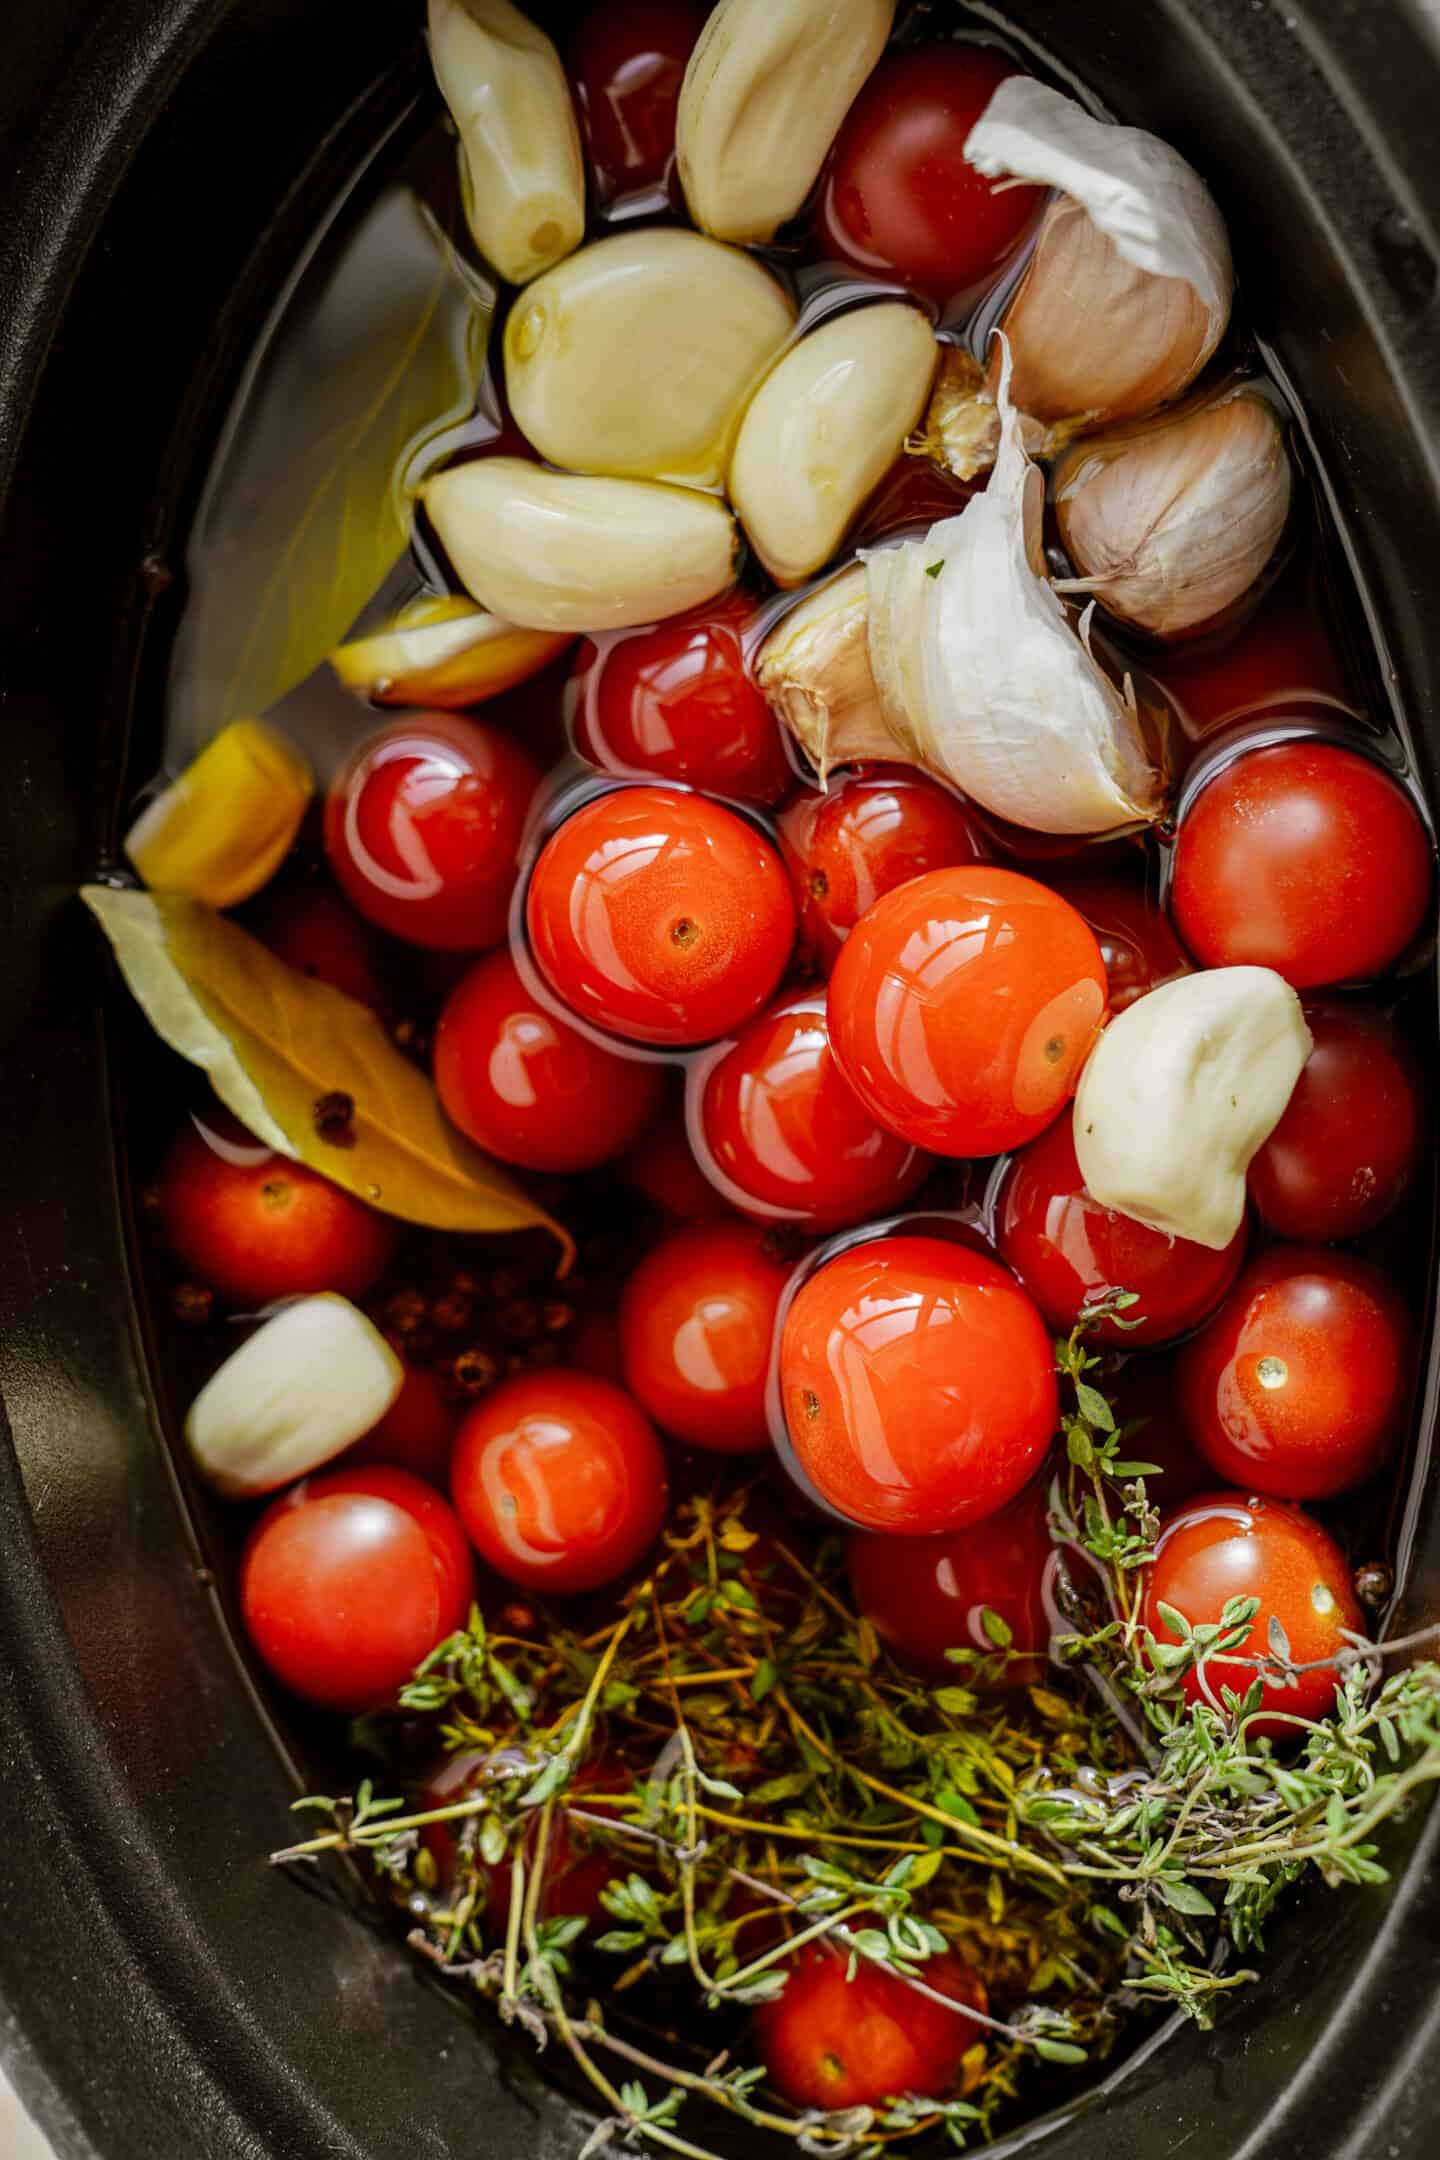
{"points": [[444, 653], [1181, 1091], [222, 830], [823, 429], [636, 356], [1170, 522], [764, 94], [506, 89], [312, 1378], [814, 669], [555, 551]]}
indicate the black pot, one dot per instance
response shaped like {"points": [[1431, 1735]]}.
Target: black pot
{"points": [[164, 1993]]}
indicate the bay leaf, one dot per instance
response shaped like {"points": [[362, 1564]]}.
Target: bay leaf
{"points": [[275, 1042]]}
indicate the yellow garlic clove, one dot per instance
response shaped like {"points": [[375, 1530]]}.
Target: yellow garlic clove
{"points": [[814, 669], [222, 830], [636, 356], [557, 551], [506, 89], [766, 89], [446, 654], [824, 428]]}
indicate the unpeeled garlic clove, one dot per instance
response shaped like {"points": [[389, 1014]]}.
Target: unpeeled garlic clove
{"points": [[444, 653], [1170, 522], [506, 89], [557, 551], [635, 357], [961, 430], [814, 669], [824, 428], [222, 830], [765, 91]]}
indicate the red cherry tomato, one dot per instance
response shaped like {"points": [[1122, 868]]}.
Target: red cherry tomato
{"points": [[627, 64], [306, 924], [576, 1870], [1137, 944], [829, 2042], [924, 1596], [1298, 1385], [868, 833], [1069, 1251], [899, 198], [963, 1007], [678, 701], [1144, 1395], [1301, 857], [423, 826], [788, 1137], [255, 1226], [528, 1088], [662, 1167], [660, 916], [349, 1580], [594, 1347], [417, 1432], [697, 1326], [1227, 1544], [1344, 1153], [1281, 660], [918, 1385], [559, 1480]]}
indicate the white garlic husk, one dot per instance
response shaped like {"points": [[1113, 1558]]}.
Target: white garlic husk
{"points": [[310, 1380], [1181, 1091], [1171, 522], [814, 670]]}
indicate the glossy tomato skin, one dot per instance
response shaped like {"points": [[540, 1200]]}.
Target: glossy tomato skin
{"points": [[307, 924], [924, 1596], [1069, 1251], [1305, 858], [918, 1385], [626, 65], [559, 1481], [864, 835], [788, 1137], [1145, 1394], [417, 1432], [349, 1579], [963, 1007], [525, 1086], [1343, 1155], [662, 1167], [1298, 1385], [1137, 943], [899, 198], [697, 1327], [678, 702], [255, 1226], [423, 825], [829, 2042], [660, 916], [1234, 1544]]}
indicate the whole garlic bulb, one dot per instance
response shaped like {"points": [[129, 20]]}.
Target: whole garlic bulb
{"points": [[1170, 522]]}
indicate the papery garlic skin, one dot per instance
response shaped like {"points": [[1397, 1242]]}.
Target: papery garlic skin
{"points": [[1181, 1091], [506, 89], [556, 551], [446, 653], [636, 356], [814, 670], [308, 1382], [824, 428], [1170, 523], [765, 91]]}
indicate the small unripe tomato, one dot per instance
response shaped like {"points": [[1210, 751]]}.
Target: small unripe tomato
{"points": [[697, 1329], [832, 2042]]}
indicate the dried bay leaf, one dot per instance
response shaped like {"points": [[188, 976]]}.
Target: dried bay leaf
{"points": [[275, 1043]]}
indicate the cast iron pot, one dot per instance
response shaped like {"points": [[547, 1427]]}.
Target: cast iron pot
{"points": [[164, 1995]]}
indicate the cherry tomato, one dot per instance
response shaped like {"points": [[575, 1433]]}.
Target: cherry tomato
{"points": [[1144, 1395], [697, 1326], [417, 1432], [660, 916], [559, 1481], [899, 197], [626, 64], [1137, 944], [306, 924], [829, 2042], [1280, 660], [576, 1870], [918, 1385], [1227, 1544], [1301, 857], [1344, 1153], [594, 1347], [423, 826], [1298, 1385], [349, 1580], [866, 834], [255, 1226], [924, 1596], [528, 1088], [662, 1167], [678, 701], [788, 1137], [963, 1007], [1069, 1251]]}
